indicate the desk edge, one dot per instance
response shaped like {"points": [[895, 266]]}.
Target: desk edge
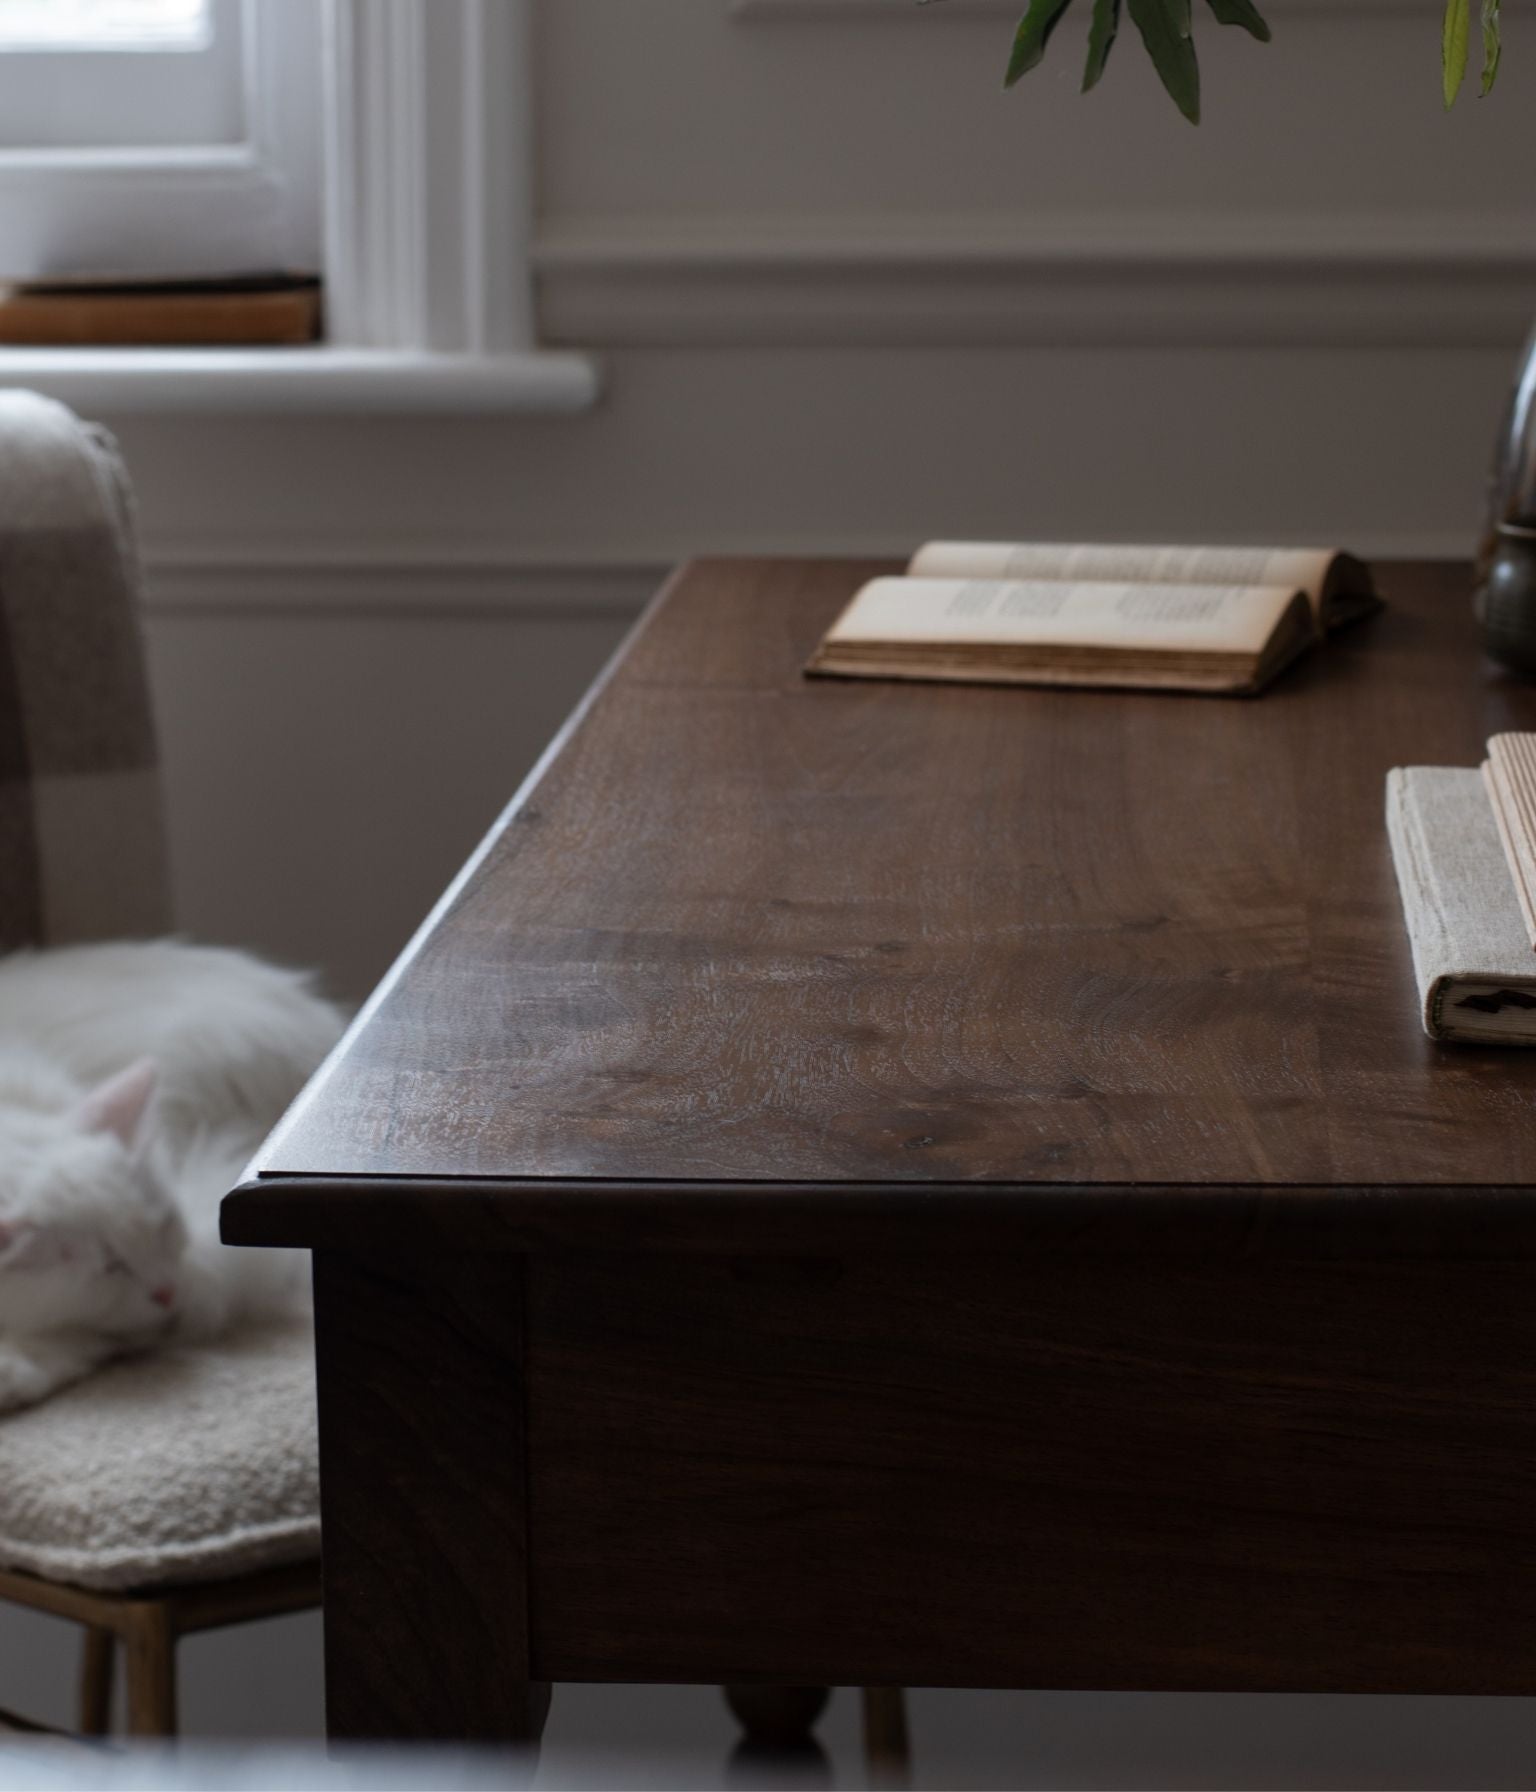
{"points": [[450, 1214]]}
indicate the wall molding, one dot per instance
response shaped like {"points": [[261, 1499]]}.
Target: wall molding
{"points": [[362, 582], [1296, 281], [373, 580]]}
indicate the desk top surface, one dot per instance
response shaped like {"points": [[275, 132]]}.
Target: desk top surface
{"points": [[824, 937]]}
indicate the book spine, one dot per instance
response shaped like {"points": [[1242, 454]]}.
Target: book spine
{"points": [[130, 321]]}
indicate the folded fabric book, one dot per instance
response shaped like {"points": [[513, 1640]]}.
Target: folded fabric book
{"points": [[1464, 842]]}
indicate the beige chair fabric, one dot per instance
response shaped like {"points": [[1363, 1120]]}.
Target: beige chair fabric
{"points": [[189, 1464], [82, 852]]}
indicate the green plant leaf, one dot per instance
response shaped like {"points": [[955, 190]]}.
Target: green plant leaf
{"points": [[1164, 26], [1101, 37], [1033, 34], [1453, 46], [1490, 45], [1244, 13]]}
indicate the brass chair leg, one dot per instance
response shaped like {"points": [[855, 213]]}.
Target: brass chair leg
{"points": [[150, 1649], [887, 1745], [97, 1655]]}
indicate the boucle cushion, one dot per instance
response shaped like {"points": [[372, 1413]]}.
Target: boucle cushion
{"points": [[192, 1463]]}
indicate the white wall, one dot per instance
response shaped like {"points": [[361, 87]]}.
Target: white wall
{"points": [[848, 295]]}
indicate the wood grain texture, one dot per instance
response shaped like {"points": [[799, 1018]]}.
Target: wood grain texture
{"points": [[746, 929], [1001, 1472], [881, 1185], [422, 1499]]}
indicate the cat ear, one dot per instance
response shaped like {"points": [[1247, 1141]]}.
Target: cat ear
{"points": [[120, 1105]]}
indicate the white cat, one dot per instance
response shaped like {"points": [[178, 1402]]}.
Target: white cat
{"points": [[136, 1081]]}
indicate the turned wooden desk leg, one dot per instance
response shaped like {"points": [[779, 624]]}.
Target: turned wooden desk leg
{"points": [[777, 1717], [423, 1499], [98, 1650]]}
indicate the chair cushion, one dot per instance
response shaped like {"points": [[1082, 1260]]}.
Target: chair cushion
{"points": [[192, 1463]]}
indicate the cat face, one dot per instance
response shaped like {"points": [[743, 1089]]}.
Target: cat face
{"points": [[89, 1236]]}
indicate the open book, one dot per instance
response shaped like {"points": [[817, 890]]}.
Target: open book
{"points": [[1169, 618]]}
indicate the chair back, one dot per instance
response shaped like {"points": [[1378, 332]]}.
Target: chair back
{"points": [[82, 846]]}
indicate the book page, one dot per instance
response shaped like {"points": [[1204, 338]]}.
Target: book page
{"points": [[1509, 774], [1298, 569], [979, 612]]}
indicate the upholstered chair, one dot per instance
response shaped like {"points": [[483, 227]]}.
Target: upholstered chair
{"points": [[179, 1491]]}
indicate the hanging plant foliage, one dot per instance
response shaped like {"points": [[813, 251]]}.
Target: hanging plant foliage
{"points": [[1167, 30]]}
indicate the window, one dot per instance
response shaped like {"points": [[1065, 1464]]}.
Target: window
{"points": [[382, 143], [80, 74], [104, 24], [169, 138]]}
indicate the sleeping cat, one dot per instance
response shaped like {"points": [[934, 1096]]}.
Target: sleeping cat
{"points": [[136, 1081]]}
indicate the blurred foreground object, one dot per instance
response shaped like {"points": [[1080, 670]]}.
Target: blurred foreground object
{"points": [[62, 1769]]}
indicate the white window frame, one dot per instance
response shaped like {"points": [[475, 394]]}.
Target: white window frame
{"points": [[248, 205], [427, 142], [106, 82], [139, 34]]}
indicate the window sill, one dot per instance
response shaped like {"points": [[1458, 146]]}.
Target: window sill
{"points": [[308, 381]]}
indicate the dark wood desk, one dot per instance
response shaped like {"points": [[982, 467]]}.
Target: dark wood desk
{"points": [[896, 1184]]}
